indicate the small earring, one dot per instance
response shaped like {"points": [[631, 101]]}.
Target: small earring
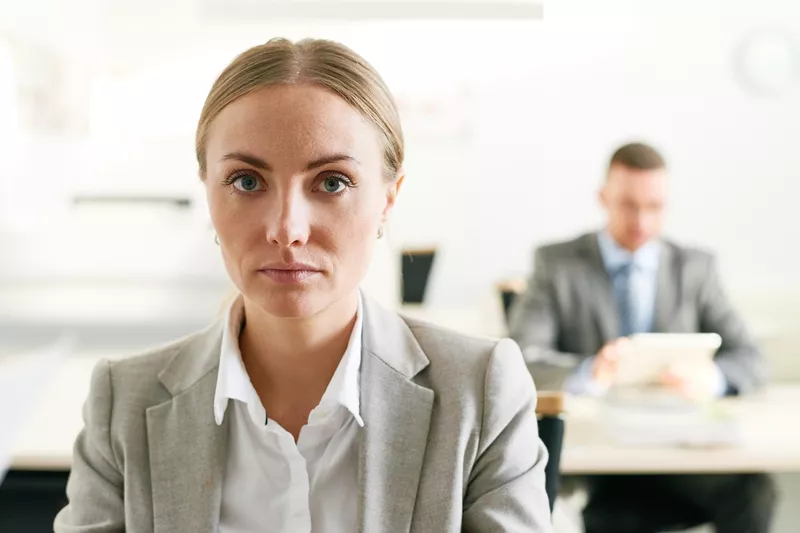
{"points": [[216, 239], [380, 232]]}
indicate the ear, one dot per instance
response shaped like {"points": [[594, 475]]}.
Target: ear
{"points": [[392, 190], [602, 195]]}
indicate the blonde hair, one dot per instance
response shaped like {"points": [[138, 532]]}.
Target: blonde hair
{"points": [[326, 64]]}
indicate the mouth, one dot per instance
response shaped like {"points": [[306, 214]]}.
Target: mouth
{"points": [[289, 273]]}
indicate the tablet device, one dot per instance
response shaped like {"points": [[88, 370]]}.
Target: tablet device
{"points": [[648, 355]]}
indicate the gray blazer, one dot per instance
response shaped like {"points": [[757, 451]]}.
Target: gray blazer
{"points": [[568, 312], [450, 441]]}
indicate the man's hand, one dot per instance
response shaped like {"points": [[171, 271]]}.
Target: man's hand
{"points": [[605, 362], [696, 381]]}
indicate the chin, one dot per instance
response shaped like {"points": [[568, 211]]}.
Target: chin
{"points": [[635, 242], [289, 304]]}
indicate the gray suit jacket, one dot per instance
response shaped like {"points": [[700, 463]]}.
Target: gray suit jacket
{"points": [[568, 311], [450, 441]]}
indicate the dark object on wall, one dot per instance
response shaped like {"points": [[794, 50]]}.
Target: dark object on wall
{"points": [[509, 290], [508, 300], [30, 501], [415, 266]]}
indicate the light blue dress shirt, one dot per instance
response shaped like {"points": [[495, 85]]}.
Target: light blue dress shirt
{"points": [[643, 284], [643, 277]]}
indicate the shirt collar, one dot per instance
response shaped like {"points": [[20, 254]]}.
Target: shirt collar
{"points": [[614, 256], [343, 388], [233, 383]]}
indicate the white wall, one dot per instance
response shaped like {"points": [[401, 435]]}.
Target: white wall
{"points": [[540, 106], [544, 132]]}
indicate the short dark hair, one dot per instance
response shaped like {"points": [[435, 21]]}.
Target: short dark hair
{"points": [[638, 156]]}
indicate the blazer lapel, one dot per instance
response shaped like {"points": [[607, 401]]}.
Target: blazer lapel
{"points": [[187, 447], [397, 416], [600, 289], [668, 289]]}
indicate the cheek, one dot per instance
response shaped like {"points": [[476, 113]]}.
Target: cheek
{"points": [[228, 215], [237, 229], [217, 207], [350, 233]]}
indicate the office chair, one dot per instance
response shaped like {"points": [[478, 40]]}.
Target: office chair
{"points": [[29, 501], [550, 405], [549, 410]]}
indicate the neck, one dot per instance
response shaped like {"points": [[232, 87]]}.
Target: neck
{"points": [[621, 243], [285, 357]]}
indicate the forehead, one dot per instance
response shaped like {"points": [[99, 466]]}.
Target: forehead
{"points": [[637, 183], [292, 121]]}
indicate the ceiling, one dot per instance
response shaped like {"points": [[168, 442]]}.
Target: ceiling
{"points": [[119, 35]]}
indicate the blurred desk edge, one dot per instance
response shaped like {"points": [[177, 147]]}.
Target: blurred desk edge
{"points": [[771, 444], [768, 444]]}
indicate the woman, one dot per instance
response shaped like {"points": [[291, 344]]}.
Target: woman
{"points": [[309, 406]]}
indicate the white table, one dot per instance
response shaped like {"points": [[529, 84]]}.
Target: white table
{"points": [[770, 428], [45, 442], [770, 422]]}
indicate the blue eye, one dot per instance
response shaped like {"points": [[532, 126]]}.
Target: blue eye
{"points": [[246, 183], [334, 184]]}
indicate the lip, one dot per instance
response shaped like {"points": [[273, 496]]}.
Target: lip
{"points": [[289, 273]]}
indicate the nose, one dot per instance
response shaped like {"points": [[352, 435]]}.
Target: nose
{"points": [[287, 222], [640, 222]]}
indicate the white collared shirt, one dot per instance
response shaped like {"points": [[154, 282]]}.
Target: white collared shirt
{"points": [[272, 483]]}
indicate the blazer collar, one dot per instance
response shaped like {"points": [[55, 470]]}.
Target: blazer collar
{"points": [[385, 335], [669, 288], [198, 356], [388, 337], [599, 287], [187, 448], [397, 417]]}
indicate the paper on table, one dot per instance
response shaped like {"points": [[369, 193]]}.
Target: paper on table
{"points": [[693, 425], [22, 378]]}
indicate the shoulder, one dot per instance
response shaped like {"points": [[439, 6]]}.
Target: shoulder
{"points": [[561, 250], [464, 362], [145, 366], [133, 382], [446, 346], [479, 384], [692, 256]]}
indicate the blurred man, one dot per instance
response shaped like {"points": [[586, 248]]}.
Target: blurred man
{"points": [[587, 295]]}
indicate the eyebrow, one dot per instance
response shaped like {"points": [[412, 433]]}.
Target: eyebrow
{"points": [[333, 158], [260, 163]]}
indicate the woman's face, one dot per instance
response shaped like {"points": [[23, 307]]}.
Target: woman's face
{"points": [[296, 191]]}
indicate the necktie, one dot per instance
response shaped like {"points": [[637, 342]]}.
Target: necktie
{"points": [[626, 305]]}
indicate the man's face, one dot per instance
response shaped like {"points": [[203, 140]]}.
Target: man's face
{"points": [[634, 200]]}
